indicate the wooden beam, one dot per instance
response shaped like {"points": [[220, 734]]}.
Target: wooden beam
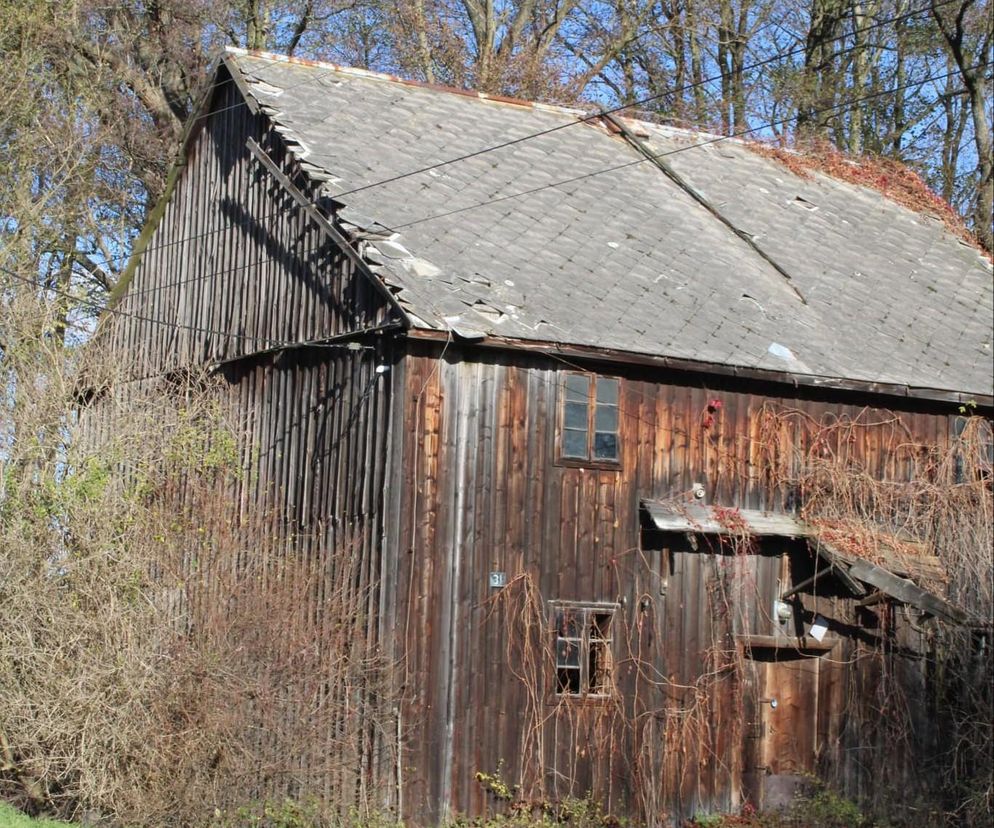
{"points": [[772, 642], [855, 587], [874, 598], [907, 592], [984, 402], [828, 555], [708, 520], [321, 221]]}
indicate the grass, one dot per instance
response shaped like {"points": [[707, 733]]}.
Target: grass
{"points": [[12, 818]]}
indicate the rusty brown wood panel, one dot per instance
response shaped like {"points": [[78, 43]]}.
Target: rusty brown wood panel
{"points": [[575, 532]]}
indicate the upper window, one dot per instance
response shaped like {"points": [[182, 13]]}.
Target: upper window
{"points": [[583, 649], [589, 419]]}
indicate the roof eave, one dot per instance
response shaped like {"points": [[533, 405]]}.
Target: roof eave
{"points": [[983, 403]]}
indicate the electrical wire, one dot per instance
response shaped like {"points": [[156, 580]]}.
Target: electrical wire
{"points": [[271, 344], [287, 344], [642, 101], [843, 106], [274, 343], [531, 136], [840, 107]]}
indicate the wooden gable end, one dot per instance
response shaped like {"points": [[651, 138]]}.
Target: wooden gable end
{"points": [[236, 258]]}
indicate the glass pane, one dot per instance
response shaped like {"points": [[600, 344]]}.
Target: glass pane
{"points": [[577, 387], [576, 415], [606, 418], [607, 390], [574, 443], [605, 446], [567, 653]]}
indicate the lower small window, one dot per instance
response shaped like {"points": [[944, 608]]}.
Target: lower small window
{"points": [[582, 639]]}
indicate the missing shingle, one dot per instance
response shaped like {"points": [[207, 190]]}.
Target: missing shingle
{"points": [[803, 202], [488, 312]]}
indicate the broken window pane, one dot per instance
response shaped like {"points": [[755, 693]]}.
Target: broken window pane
{"points": [[569, 682], [599, 674], [583, 651]]}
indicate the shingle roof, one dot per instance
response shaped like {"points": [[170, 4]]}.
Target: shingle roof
{"points": [[860, 288]]}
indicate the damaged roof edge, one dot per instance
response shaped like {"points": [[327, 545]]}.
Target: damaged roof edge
{"points": [[195, 122], [984, 402], [325, 224]]}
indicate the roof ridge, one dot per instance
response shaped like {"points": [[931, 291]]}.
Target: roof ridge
{"points": [[588, 115], [370, 74]]}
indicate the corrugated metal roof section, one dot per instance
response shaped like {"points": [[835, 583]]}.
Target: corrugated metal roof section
{"points": [[533, 242]]}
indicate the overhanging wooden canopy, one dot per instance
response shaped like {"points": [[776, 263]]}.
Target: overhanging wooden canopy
{"points": [[852, 570]]}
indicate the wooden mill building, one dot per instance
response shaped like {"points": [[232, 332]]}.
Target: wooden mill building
{"points": [[559, 375]]}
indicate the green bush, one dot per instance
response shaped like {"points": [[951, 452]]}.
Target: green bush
{"points": [[12, 818]]}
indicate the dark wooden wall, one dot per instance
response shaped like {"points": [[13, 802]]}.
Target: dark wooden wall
{"points": [[445, 469], [235, 266], [483, 491], [239, 287]]}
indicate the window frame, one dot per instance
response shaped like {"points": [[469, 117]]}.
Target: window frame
{"points": [[589, 689], [589, 461]]}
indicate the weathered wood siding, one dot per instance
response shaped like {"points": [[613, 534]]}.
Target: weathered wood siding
{"points": [[443, 470], [483, 492], [271, 498], [235, 266], [237, 279]]}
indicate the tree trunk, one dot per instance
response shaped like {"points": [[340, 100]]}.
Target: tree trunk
{"points": [[820, 86], [899, 121], [859, 75], [952, 22]]}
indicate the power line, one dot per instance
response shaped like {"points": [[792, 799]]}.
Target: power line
{"points": [[513, 142], [271, 344], [843, 106], [553, 356], [640, 102]]}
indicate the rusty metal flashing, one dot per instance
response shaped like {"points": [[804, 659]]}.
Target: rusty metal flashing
{"points": [[984, 402]]}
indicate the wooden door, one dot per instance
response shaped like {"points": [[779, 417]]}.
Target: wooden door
{"points": [[780, 731]]}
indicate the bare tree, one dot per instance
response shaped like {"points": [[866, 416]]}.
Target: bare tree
{"points": [[967, 29]]}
